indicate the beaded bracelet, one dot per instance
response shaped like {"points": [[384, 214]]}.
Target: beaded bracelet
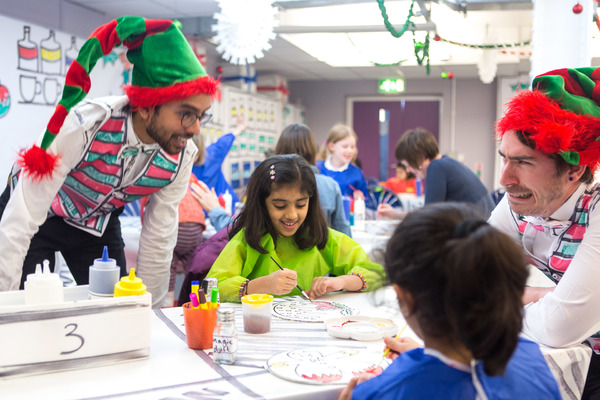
{"points": [[364, 281], [243, 289]]}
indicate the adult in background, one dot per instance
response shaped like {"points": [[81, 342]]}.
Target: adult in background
{"points": [[299, 139], [67, 191], [550, 149], [445, 179]]}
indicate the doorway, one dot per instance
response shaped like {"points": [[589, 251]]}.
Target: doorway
{"points": [[404, 113]]}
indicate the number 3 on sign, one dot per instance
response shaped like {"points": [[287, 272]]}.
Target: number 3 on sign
{"points": [[74, 338]]}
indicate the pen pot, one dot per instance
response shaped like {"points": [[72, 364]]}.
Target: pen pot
{"points": [[257, 309], [199, 326]]}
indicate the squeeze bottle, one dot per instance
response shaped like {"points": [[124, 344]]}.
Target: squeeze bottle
{"points": [[228, 200], [43, 287], [104, 274], [130, 285]]}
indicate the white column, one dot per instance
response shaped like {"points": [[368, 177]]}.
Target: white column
{"points": [[561, 38]]}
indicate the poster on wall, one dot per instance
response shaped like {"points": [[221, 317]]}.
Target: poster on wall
{"points": [[35, 60]]}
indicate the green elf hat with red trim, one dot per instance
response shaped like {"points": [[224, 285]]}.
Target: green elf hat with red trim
{"points": [[165, 68], [561, 115]]}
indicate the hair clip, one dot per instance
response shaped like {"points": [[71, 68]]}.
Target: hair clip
{"points": [[272, 172]]}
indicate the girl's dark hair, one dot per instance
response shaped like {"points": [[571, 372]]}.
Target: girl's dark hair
{"points": [[298, 139], [416, 145], [289, 170], [466, 279]]}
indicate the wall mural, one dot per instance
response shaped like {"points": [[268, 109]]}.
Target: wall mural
{"points": [[35, 60]]}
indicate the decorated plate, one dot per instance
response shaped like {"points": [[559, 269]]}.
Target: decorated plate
{"points": [[325, 365], [360, 328], [298, 309]]}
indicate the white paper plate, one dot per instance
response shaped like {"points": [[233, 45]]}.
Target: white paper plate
{"points": [[361, 328], [325, 365], [298, 309]]}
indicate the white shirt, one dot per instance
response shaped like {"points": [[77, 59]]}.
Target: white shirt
{"points": [[571, 313]]}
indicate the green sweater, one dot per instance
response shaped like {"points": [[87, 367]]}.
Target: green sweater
{"points": [[341, 256]]}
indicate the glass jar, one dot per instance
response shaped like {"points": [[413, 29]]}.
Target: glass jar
{"points": [[225, 337]]}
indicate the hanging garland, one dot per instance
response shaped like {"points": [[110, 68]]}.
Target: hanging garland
{"points": [[388, 24], [421, 49], [437, 38]]}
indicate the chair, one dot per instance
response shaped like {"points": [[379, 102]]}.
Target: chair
{"points": [[377, 195], [132, 209], [497, 195]]}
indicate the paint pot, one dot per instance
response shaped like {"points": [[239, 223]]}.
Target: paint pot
{"points": [[257, 309]]}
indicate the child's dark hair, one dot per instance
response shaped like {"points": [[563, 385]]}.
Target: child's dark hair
{"points": [[288, 170], [466, 279]]}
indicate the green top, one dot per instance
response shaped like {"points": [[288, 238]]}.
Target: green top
{"points": [[341, 256]]}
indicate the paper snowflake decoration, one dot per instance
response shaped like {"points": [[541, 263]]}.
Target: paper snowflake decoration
{"points": [[244, 28]]}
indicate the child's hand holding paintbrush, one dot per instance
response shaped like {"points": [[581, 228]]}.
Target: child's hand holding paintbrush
{"points": [[397, 345]]}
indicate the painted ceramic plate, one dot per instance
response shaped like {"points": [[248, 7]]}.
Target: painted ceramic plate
{"points": [[360, 328], [325, 365], [311, 311]]}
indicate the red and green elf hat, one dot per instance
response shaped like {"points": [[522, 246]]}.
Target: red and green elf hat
{"points": [[561, 115], [165, 68]]}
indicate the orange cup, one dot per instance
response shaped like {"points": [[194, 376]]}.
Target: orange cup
{"points": [[199, 326]]}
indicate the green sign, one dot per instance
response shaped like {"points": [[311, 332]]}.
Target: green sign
{"points": [[391, 85]]}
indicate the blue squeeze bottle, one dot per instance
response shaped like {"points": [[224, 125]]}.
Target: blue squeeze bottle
{"points": [[104, 274]]}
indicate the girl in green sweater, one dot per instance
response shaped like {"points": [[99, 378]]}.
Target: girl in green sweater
{"points": [[282, 222]]}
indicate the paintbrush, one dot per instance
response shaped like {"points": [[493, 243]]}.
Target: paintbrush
{"points": [[298, 286], [387, 350]]}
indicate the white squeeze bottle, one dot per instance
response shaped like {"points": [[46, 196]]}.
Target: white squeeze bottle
{"points": [[43, 287], [228, 201], [359, 214], [103, 275]]}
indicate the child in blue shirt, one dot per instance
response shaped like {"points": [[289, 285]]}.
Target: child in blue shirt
{"points": [[459, 284], [337, 156]]}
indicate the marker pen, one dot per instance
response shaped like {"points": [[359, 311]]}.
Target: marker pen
{"points": [[194, 300], [202, 299], [214, 297], [195, 287]]}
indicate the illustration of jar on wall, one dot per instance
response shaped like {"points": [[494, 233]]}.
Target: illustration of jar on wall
{"points": [[71, 53], [51, 55], [28, 52]]}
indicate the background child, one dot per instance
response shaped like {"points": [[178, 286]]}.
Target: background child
{"points": [[283, 219], [403, 182], [208, 165], [336, 158], [459, 283], [299, 139]]}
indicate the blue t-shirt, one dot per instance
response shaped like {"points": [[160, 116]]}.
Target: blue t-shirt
{"points": [[450, 180], [417, 375], [352, 176], [211, 171]]}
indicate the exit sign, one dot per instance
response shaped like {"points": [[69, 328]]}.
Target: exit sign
{"points": [[391, 86]]}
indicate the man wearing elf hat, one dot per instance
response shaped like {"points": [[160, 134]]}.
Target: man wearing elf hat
{"points": [[67, 191], [550, 146]]}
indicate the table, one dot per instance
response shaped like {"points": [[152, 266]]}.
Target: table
{"points": [[172, 370]]}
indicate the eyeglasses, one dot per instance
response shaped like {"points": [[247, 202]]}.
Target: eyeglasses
{"points": [[188, 118]]}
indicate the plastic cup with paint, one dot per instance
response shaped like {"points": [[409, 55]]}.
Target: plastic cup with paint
{"points": [[257, 309]]}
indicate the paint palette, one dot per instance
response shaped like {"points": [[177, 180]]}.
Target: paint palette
{"points": [[298, 309], [325, 365], [360, 328]]}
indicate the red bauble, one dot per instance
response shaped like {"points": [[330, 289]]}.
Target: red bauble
{"points": [[450, 75], [219, 70], [577, 8], [437, 38]]}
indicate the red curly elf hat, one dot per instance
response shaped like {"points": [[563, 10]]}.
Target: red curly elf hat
{"points": [[165, 68], [561, 115]]}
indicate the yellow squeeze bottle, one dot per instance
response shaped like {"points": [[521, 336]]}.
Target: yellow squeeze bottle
{"points": [[129, 285]]}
